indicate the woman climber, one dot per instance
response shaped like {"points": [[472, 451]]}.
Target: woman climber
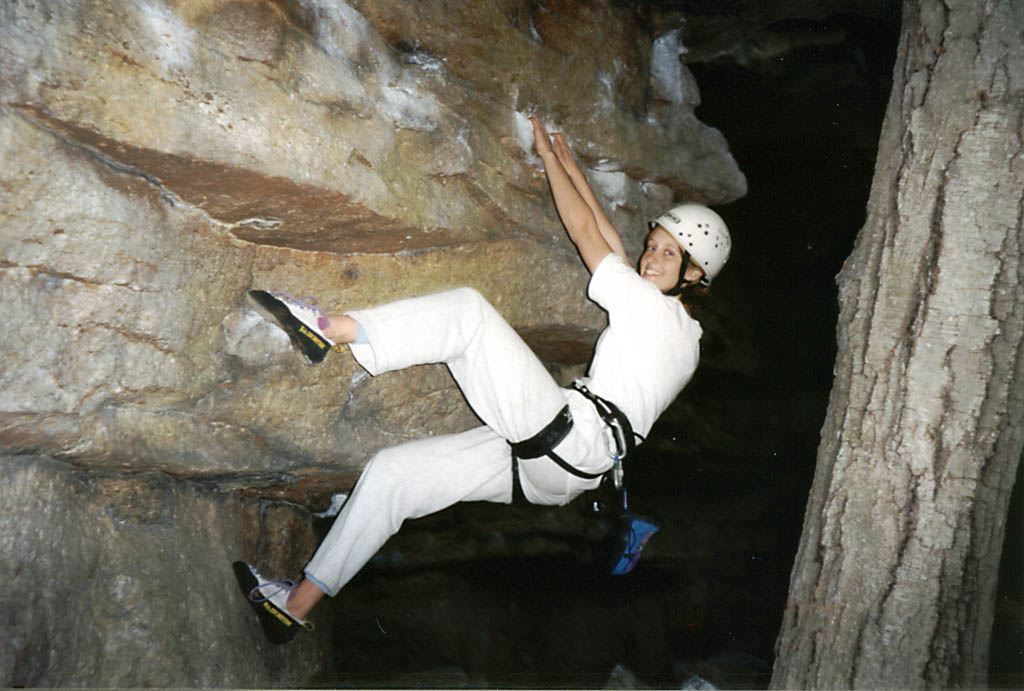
{"points": [[641, 362]]}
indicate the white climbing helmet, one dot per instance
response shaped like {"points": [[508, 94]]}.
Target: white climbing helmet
{"points": [[702, 233]]}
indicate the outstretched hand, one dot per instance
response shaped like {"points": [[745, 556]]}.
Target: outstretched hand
{"points": [[541, 139], [564, 153], [588, 227], [565, 156], [557, 145]]}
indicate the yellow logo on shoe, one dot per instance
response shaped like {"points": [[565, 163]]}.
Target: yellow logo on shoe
{"points": [[313, 337], [277, 613]]}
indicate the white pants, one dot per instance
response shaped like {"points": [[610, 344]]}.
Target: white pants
{"points": [[507, 387]]}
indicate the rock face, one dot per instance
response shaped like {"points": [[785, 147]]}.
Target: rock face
{"points": [[111, 580], [161, 158]]}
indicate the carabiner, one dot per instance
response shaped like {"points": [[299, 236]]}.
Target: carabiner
{"points": [[611, 441], [618, 474], [615, 439]]}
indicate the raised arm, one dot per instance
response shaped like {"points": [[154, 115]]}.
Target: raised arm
{"points": [[579, 181], [577, 216]]}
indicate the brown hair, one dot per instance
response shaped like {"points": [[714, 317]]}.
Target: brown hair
{"points": [[695, 298]]}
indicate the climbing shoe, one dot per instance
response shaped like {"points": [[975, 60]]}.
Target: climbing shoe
{"points": [[269, 599], [634, 532], [302, 320]]}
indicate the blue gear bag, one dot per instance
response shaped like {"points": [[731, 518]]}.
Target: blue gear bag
{"points": [[634, 532]]}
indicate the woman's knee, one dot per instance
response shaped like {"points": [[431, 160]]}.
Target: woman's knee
{"points": [[469, 294], [385, 466], [474, 307], [393, 468], [471, 298]]}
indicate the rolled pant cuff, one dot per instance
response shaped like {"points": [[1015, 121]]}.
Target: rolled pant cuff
{"points": [[319, 584]]}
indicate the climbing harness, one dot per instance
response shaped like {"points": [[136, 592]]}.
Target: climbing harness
{"points": [[634, 530], [619, 437], [543, 444]]}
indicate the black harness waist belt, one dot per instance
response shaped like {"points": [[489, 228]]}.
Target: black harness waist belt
{"points": [[548, 438], [544, 442]]}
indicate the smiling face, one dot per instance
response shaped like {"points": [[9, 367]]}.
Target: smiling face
{"points": [[661, 260]]}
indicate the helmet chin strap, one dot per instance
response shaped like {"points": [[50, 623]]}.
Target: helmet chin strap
{"points": [[683, 283]]}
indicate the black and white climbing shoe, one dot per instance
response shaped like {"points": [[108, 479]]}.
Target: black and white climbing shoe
{"points": [[269, 599], [302, 320]]}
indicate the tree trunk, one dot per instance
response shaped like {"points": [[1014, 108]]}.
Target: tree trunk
{"points": [[895, 579]]}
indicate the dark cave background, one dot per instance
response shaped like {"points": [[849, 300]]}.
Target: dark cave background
{"points": [[727, 468]]}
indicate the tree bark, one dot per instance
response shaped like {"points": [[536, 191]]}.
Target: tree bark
{"points": [[895, 579]]}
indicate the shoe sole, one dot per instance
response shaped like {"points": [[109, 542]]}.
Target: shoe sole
{"points": [[278, 627], [311, 346]]}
